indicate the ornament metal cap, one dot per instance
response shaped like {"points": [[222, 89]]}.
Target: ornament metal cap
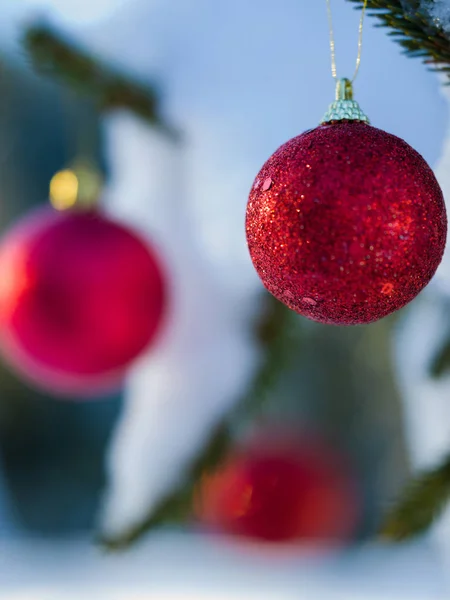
{"points": [[77, 187], [344, 108]]}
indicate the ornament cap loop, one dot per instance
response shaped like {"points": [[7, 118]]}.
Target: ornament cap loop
{"points": [[78, 187], [344, 89], [344, 108]]}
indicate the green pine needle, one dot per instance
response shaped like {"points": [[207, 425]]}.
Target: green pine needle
{"points": [[178, 506], [421, 503], [413, 30], [441, 362], [52, 55]]}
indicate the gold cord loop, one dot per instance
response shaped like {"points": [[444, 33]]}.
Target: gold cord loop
{"points": [[333, 44]]}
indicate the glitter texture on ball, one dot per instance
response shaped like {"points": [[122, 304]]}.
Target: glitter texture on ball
{"points": [[352, 226], [80, 298]]}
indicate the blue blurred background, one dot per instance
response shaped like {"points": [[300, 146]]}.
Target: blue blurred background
{"points": [[239, 79]]}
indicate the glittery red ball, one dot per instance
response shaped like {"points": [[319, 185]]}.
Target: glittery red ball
{"points": [[281, 492], [346, 223], [80, 298]]}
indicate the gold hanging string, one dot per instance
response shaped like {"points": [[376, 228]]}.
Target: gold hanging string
{"points": [[333, 44]]}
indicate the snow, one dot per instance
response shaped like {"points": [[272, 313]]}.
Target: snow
{"points": [[206, 355], [177, 567], [439, 11]]}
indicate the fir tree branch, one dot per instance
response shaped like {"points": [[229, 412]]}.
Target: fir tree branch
{"points": [[178, 506], [414, 30], [54, 56], [441, 362], [421, 503], [277, 335]]}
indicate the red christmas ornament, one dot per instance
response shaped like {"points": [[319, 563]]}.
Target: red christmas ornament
{"points": [[80, 298], [346, 223], [281, 491]]}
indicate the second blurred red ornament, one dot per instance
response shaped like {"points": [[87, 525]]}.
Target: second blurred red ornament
{"points": [[279, 489], [80, 297]]}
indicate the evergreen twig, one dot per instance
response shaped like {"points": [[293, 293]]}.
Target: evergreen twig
{"points": [[441, 362], [414, 30], [52, 55], [178, 506], [275, 333], [421, 503]]}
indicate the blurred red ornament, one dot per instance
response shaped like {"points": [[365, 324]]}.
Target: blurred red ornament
{"points": [[80, 297], [346, 223], [281, 491]]}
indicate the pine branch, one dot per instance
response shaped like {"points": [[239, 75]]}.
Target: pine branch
{"points": [[414, 30], [275, 333], [177, 507], [422, 502], [54, 56], [441, 362]]}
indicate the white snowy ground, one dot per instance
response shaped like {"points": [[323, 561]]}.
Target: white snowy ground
{"points": [[240, 78], [173, 567]]}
